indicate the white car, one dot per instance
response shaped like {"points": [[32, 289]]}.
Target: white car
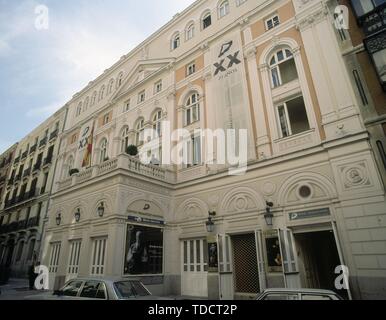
{"points": [[298, 294]]}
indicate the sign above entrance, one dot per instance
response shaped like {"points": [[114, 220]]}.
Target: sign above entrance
{"points": [[146, 220], [309, 214]]}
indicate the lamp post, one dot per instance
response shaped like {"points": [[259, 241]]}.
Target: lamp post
{"points": [[268, 216], [210, 224]]}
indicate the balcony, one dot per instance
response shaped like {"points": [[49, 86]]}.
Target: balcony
{"points": [[37, 166], [43, 142], [54, 134], [18, 177], [47, 161], [24, 155], [20, 225], [374, 21], [130, 165], [33, 149], [17, 160]]}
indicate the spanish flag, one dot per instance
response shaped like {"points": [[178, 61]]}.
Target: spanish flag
{"points": [[88, 152]]}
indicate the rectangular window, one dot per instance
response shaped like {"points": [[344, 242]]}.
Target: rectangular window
{"points": [[195, 253], [207, 21], [73, 263], [190, 69], [158, 87], [292, 117], [54, 259], [192, 152], [98, 257], [144, 250], [127, 105], [272, 22], [141, 96]]}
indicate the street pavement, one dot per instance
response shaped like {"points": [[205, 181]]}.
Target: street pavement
{"points": [[17, 289]]}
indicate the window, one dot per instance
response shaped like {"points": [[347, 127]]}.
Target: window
{"points": [[282, 67], [379, 59], [223, 9], [98, 257], [72, 289], [73, 262], [176, 41], [240, 2], [124, 139], [86, 103], [141, 96], [362, 7], [190, 69], [110, 87], [139, 134], [192, 109], [93, 98], [79, 109], [31, 249], [190, 32], [103, 151], [54, 259], [292, 117], [158, 87], [192, 152], [360, 88], [94, 290], [20, 251], [119, 79], [106, 119], [45, 179], [272, 22], [127, 105], [144, 250], [195, 255], [102, 93], [157, 121], [206, 20]]}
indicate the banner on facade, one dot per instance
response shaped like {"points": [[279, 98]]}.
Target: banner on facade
{"points": [[85, 144]]}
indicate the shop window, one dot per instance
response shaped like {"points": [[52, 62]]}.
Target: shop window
{"points": [[144, 250], [292, 117]]}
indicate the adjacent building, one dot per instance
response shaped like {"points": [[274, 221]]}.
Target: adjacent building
{"points": [[26, 196]]}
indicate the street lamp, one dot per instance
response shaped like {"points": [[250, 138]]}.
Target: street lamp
{"points": [[268, 216], [77, 215], [210, 224], [101, 209], [58, 219]]}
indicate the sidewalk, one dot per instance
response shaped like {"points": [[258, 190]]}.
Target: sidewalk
{"points": [[16, 289]]}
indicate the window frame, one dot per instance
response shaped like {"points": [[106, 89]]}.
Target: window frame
{"points": [[223, 9]]}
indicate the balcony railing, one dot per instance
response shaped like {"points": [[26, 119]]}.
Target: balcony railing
{"points": [[43, 142], [24, 155], [47, 161], [374, 21], [27, 172], [122, 162], [17, 160], [37, 166], [20, 225], [18, 176]]}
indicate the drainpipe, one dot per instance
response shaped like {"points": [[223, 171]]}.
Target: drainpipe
{"points": [[50, 193]]}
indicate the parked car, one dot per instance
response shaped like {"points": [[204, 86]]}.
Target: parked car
{"points": [[99, 289], [298, 294]]}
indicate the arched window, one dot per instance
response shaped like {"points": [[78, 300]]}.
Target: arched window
{"points": [[103, 151], [223, 9], [139, 132], [79, 109], [120, 79], [124, 139], [111, 86], [93, 98], [157, 120], [282, 67], [176, 41], [206, 20], [86, 103], [189, 31], [192, 109], [102, 93]]}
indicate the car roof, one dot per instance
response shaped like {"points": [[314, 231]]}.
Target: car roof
{"points": [[299, 290], [105, 279]]}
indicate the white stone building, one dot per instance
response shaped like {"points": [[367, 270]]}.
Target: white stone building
{"points": [[273, 67]]}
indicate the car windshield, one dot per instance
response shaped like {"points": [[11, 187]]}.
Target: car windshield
{"points": [[130, 289]]}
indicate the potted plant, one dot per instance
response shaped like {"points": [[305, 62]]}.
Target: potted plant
{"points": [[132, 150], [73, 171]]}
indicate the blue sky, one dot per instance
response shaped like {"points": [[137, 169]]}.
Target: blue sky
{"points": [[40, 70]]}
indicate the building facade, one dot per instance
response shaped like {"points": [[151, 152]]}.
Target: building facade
{"points": [[5, 165], [312, 197], [26, 196]]}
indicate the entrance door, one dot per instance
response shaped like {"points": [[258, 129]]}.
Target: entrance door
{"points": [[245, 264], [318, 254], [225, 268], [194, 280]]}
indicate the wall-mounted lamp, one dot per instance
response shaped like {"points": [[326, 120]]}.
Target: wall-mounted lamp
{"points": [[77, 215], [268, 216], [101, 209], [210, 224], [58, 219]]}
